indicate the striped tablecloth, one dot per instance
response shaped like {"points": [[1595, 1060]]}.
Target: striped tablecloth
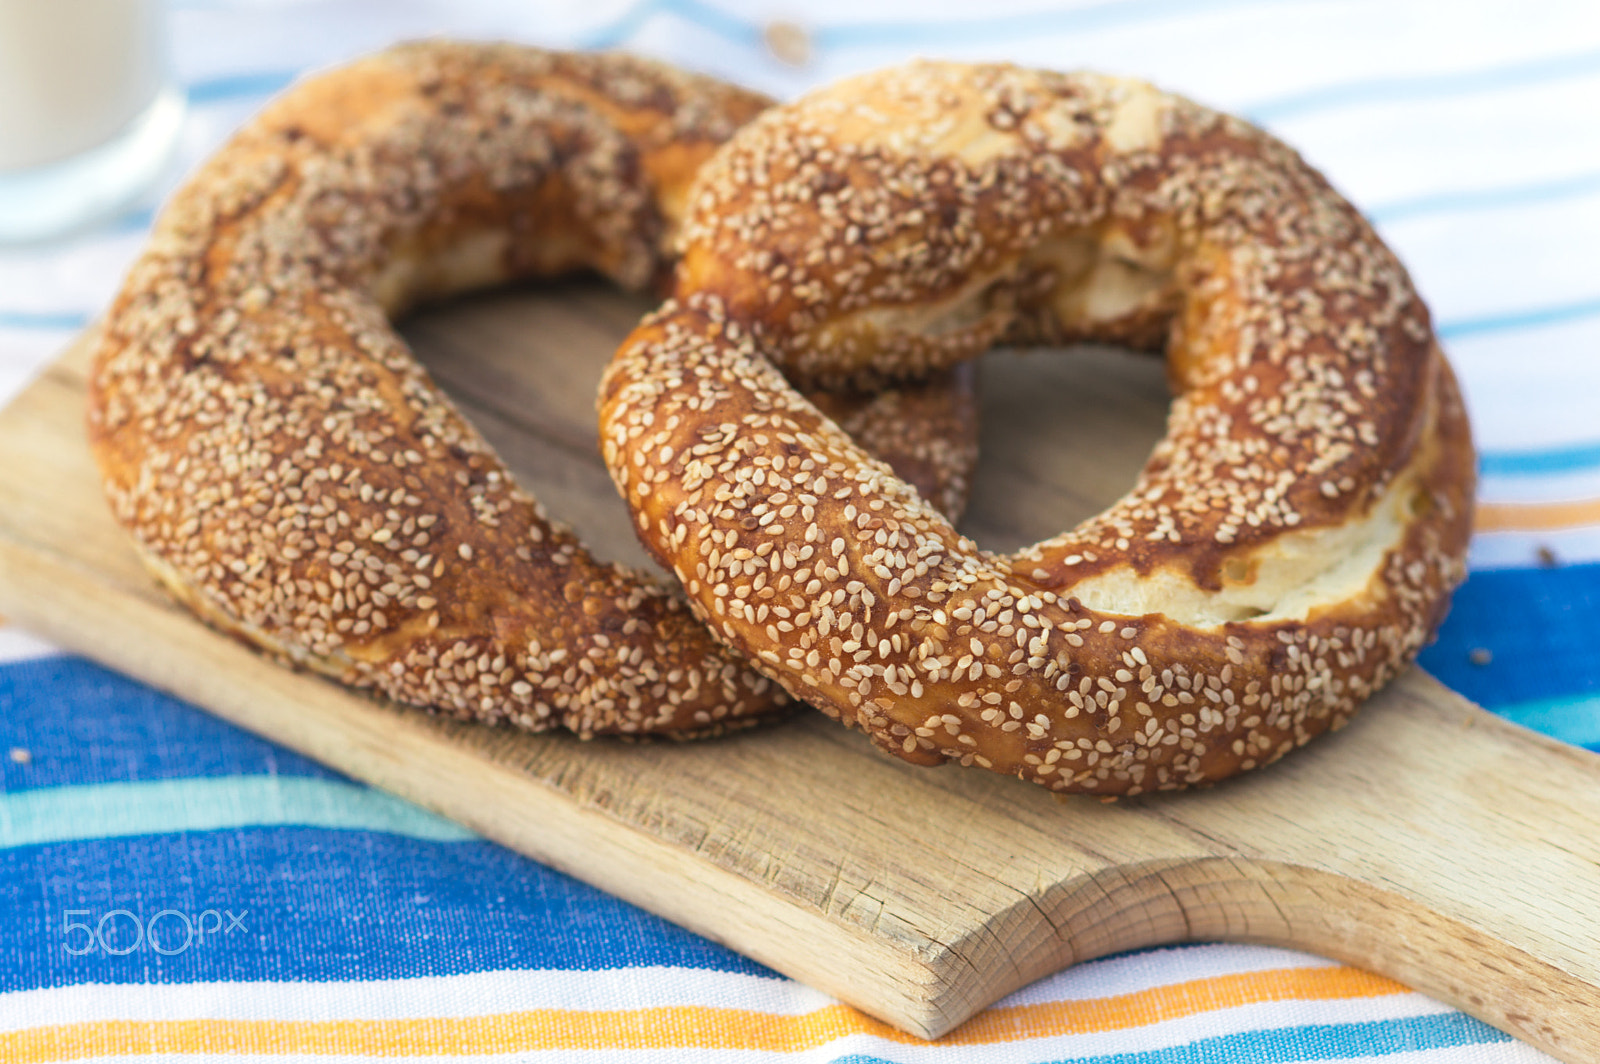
{"points": [[173, 889]]}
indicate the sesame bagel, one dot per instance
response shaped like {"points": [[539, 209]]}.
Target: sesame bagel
{"points": [[1290, 545], [290, 472]]}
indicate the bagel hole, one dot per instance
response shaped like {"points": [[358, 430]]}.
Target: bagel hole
{"points": [[1064, 434], [523, 364]]}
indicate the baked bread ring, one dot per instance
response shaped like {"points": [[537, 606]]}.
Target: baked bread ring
{"points": [[290, 472], [1289, 547]]}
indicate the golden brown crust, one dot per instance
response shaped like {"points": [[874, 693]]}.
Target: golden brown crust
{"points": [[926, 431], [1290, 545], [289, 470]]}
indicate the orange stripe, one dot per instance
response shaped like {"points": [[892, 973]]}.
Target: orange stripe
{"points": [[1536, 516], [1172, 1002], [677, 1028]]}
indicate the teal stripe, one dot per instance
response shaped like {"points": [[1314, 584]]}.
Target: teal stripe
{"points": [[1514, 321], [1292, 1045], [1545, 461], [157, 807], [1573, 720]]}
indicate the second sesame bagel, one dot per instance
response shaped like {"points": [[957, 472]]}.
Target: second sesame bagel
{"points": [[1291, 544]]}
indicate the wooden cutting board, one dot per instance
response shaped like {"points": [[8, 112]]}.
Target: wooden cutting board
{"points": [[1429, 841]]}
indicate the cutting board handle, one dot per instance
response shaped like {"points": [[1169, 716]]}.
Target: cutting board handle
{"points": [[1430, 842]]}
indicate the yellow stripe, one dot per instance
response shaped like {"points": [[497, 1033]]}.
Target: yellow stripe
{"points": [[674, 1028], [1536, 516]]}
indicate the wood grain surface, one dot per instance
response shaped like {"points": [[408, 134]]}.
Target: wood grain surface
{"points": [[1429, 841]]}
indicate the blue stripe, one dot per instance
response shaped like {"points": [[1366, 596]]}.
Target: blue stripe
{"points": [[911, 33], [1538, 71], [1572, 720], [1514, 321], [1546, 461], [134, 221], [1486, 199], [84, 724], [631, 21], [107, 810], [1541, 628], [27, 319], [321, 905], [239, 86], [1284, 1045]]}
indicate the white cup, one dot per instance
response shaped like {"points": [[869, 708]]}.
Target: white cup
{"points": [[88, 112]]}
